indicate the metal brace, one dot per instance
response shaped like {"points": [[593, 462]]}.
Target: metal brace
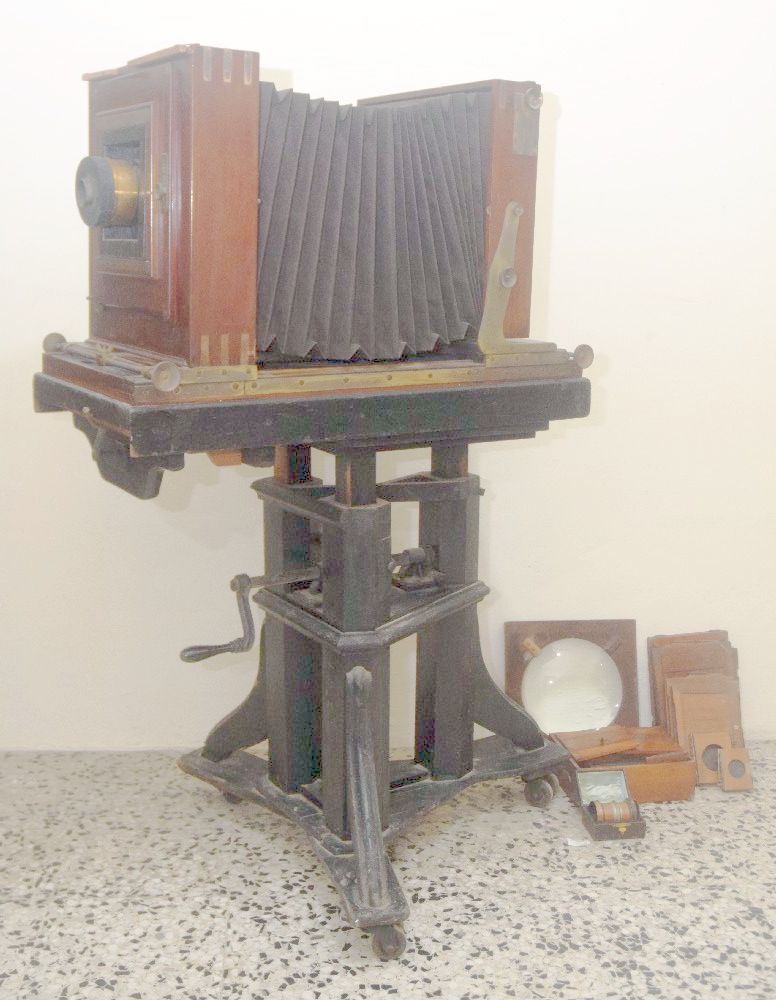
{"points": [[502, 278]]}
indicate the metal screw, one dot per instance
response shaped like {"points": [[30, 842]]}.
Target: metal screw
{"points": [[508, 277], [583, 355], [54, 342], [165, 376], [533, 98]]}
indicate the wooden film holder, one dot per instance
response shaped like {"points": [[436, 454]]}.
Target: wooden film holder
{"points": [[707, 748], [735, 770]]}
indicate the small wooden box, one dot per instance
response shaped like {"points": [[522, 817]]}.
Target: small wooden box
{"points": [[664, 781]]}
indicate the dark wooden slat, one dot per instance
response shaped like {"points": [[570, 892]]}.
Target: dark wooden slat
{"points": [[395, 418], [292, 661]]}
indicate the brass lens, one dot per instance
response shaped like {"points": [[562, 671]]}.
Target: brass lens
{"points": [[107, 191]]}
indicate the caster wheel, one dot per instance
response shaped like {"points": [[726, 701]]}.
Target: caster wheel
{"points": [[553, 780], [231, 798], [388, 941], [539, 792]]}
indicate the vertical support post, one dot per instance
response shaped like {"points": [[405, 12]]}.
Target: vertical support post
{"points": [[445, 719], [357, 550], [356, 597], [450, 461], [356, 478], [334, 781], [449, 531], [292, 661], [292, 464], [451, 528]]}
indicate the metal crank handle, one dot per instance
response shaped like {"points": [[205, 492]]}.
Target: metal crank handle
{"points": [[242, 585]]}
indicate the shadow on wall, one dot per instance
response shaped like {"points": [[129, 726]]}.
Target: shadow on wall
{"points": [[178, 488]]}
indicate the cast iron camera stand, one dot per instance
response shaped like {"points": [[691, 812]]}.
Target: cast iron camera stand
{"points": [[335, 600]]}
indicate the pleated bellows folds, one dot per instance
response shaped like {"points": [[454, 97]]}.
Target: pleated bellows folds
{"points": [[371, 224]]}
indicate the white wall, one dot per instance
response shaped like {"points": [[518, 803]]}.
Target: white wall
{"points": [[655, 244]]}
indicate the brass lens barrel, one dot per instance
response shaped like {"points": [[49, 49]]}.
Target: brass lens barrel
{"points": [[107, 191]]}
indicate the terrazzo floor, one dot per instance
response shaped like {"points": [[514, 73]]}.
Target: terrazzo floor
{"points": [[123, 878]]}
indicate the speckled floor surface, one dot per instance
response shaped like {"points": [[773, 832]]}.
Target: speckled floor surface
{"points": [[123, 878]]}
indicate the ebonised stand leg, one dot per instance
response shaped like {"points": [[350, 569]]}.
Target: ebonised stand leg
{"points": [[336, 793], [493, 709], [247, 724], [376, 892], [449, 532], [454, 688], [293, 661], [356, 597], [444, 717]]}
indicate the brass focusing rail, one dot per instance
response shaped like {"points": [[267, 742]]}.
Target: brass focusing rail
{"points": [[151, 380]]}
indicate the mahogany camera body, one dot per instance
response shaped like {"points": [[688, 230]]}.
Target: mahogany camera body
{"points": [[179, 280], [238, 233]]}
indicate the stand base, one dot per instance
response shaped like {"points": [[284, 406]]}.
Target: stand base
{"points": [[243, 775]]}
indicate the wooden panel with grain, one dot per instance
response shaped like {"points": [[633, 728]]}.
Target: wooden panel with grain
{"points": [[189, 291], [702, 703], [690, 653]]}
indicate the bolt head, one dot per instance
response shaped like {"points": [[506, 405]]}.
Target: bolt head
{"points": [[533, 98], [165, 376], [583, 355], [508, 277], [54, 342]]}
